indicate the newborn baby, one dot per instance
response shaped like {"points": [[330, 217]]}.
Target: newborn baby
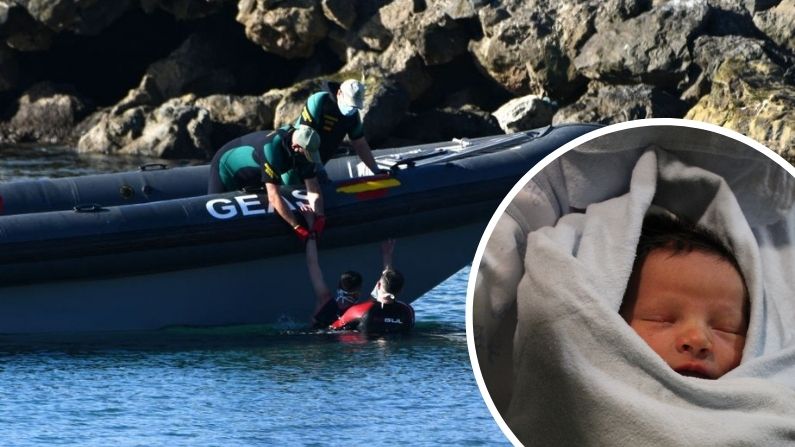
{"points": [[687, 298]]}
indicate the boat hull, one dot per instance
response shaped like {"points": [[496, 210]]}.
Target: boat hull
{"points": [[147, 250]]}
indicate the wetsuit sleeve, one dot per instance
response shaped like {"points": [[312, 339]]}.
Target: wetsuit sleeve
{"points": [[352, 315], [272, 161], [357, 129]]}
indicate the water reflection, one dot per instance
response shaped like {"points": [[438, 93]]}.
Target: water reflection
{"points": [[25, 162]]}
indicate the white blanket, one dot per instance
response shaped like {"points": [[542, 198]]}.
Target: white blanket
{"points": [[564, 368]]}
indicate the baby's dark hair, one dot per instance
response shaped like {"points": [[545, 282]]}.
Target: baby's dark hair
{"points": [[392, 281], [679, 236], [350, 281]]}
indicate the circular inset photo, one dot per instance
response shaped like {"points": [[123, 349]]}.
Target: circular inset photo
{"points": [[636, 287]]}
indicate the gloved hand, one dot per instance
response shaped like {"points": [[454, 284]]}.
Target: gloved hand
{"points": [[320, 224], [302, 233]]}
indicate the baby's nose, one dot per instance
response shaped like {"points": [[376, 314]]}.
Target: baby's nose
{"points": [[695, 340]]}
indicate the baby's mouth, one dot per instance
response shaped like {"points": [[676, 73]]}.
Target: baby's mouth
{"points": [[694, 371]]}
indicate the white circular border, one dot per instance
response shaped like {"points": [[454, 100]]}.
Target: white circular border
{"points": [[473, 273]]}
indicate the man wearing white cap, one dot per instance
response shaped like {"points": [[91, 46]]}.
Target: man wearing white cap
{"points": [[288, 155], [333, 113]]}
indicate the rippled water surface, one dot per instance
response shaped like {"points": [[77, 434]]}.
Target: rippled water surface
{"points": [[245, 385]]}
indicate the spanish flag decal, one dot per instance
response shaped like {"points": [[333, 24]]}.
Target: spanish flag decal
{"points": [[369, 188]]}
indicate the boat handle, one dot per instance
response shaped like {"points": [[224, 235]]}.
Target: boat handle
{"points": [[88, 208], [153, 167]]}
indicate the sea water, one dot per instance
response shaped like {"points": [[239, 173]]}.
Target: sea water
{"points": [[239, 385]]}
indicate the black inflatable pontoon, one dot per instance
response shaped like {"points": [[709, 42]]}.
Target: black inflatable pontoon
{"points": [[149, 249]]}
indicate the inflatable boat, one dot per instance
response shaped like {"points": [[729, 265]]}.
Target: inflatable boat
{"points": [[150, 249]]}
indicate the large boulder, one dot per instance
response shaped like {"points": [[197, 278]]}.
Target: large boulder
{"points": [[289, 28], [233, 116], [778, 23], [751, 98], [608, 104], [387, 105], [107, 133], [651, 48], [710, 51], [402, 40], [176, 129], [528, 47], [46, 113], [527, 112], [340, 12]]}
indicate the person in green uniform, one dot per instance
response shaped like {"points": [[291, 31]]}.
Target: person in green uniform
{"points": [[333, 113], [288, 155]]}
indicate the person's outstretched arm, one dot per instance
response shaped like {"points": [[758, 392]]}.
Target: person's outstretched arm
{"points": [[280, 205], [387, 250], [362, 149], [322, 292]]}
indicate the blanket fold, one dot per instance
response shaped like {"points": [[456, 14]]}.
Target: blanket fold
{"points": [[562, 366]]}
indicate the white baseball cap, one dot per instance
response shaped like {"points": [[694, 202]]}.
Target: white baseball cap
{"points": [[307, 138], [352, 93]]}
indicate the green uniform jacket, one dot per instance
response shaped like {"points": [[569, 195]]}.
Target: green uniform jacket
{"points": [[257, 158], [322, 113]]}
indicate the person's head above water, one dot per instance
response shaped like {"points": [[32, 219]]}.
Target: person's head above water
{"points": [[389, 285], [687, 298], [348, 289]]}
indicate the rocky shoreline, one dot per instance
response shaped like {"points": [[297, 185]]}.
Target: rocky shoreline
{"points": [[178, 78]]}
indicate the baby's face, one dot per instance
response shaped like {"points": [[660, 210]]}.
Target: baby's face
{"points": [[690, 308]]}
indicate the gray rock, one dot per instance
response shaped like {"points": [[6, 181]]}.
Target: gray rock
{"points": [[46, 113], [710, 51], [458, 9], [288, 28], [759, 5], [608, 104], [176, 129], [400, 61], [340, 12], [442, 41], [527, 112], [651, 48], [292, 100], [779, 24], [247, 112], [233, 116], [389, 102], [107, 133], [752, 99]]}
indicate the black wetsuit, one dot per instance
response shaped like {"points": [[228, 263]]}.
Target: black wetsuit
{"points": [[373, 317]]}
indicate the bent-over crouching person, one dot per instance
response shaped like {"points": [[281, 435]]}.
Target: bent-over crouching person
{"points": [[285, 156]]}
